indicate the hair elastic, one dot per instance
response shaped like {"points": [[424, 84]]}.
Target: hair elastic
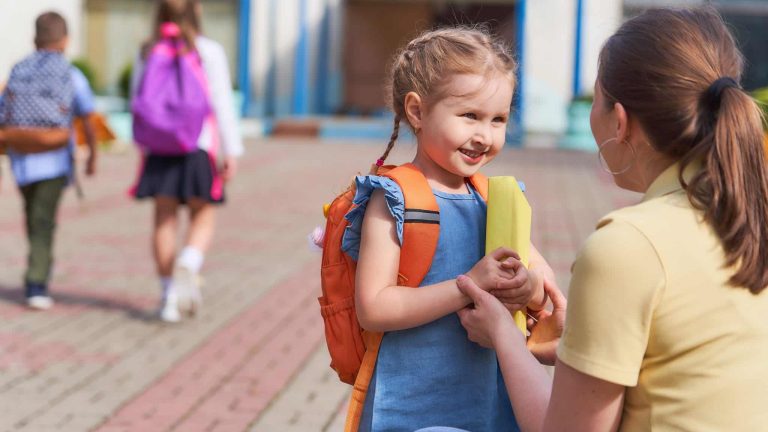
{"points": [[714, 93]]}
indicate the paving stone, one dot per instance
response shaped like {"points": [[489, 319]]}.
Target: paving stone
{"points": [[253, 359]]}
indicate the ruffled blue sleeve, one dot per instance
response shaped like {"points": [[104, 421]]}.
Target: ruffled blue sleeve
{"points": [[350, 243]]}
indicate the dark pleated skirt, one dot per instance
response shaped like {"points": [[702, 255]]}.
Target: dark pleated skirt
{"points": [[179, 177]]}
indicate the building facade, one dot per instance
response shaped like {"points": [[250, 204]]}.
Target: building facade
{"points": [[296, 58]]}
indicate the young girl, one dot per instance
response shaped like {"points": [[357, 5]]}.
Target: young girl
{"points": [[454, 89], [187, 180]]}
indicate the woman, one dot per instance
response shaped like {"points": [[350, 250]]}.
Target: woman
{"points": [[189, 180], [667, 325]]}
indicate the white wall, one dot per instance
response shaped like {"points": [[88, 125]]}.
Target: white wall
{"points": [[550, 32], [260, 53], [548, 63], [17, 23], [601, 19], [286, 36]]}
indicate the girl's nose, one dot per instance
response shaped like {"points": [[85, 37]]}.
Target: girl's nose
{"points": [[482, 134]]}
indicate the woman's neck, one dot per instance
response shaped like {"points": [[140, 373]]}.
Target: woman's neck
{"points": [[650, 165]]}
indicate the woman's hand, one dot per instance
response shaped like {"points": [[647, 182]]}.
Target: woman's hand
{"points": [[230, 169], [488, 321], [547, 327]]}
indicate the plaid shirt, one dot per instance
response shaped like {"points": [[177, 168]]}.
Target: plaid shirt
{"points": [[34, 167]]}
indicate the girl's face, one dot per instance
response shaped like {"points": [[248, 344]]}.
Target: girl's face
{"points": [[463, 131]]}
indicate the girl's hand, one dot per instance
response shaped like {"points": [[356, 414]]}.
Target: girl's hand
{"points": [[491, 274], [488, 322], [547, 327], [230, 169], [517, 297]]}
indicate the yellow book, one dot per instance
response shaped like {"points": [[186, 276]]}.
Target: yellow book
{"points": [[508, 223]]}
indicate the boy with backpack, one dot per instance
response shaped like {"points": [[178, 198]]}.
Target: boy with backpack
{"points": [[37, 106]]}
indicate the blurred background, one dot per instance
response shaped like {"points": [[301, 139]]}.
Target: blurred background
{"points": [[317, 67], [309, 78]]}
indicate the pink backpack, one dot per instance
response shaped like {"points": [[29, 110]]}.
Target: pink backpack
{"points": [[172, 102]]}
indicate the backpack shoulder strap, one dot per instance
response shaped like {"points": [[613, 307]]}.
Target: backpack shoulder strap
{"points": [[421, 229], [421, 226], [480, 183]]}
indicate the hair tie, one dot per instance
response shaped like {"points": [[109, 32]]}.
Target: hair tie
{"points": [[379, 162], [169, 30], [713, 95]]}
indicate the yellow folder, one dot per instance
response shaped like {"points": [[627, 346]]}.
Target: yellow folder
{"points": [[508, 224]]}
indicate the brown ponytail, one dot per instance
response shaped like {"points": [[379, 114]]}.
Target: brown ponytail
{"points": [[677, 71], [733, 187]]}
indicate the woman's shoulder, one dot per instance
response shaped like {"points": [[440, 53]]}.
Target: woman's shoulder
{"points": [[613, 236], [659, 220]]}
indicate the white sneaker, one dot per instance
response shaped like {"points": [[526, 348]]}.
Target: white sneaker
{"points": [[187, 284], [169, 309], [40, 302]]}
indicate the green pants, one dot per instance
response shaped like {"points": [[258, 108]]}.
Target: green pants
{"points": [[41, 200]]}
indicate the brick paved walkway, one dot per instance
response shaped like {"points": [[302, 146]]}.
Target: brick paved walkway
{"points": [[254, 359]]}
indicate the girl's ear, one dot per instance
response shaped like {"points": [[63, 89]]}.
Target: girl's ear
{"points": [[413, 109]]}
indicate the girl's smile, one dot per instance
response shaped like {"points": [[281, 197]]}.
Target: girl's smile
{"points": [[473, 157]]}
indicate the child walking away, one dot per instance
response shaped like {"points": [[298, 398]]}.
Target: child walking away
{"points": [[186, 127], [412, 230], [37, 106]]}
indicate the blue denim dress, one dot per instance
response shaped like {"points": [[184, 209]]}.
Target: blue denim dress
{"points": [[433, 375]]}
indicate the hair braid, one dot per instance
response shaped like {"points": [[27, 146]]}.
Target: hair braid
{"points": [[392, 139]]}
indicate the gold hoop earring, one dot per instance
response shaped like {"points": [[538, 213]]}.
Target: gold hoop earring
{"points": [[604, 164]]}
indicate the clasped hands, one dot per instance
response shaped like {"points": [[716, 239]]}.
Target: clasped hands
{"points": [[502, 274], [499, 284]]}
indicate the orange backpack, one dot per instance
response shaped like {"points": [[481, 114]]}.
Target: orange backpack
{"points": [[354, 350]]}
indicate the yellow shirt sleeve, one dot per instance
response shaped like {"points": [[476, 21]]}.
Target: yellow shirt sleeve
{"points": [[616, 281]]}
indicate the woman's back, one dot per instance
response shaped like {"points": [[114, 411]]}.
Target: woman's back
{"points": [[690, 348]]}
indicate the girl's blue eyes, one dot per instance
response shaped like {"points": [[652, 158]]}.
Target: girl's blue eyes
{"points": [[473, 116]]}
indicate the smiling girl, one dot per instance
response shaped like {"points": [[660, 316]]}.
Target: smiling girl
{"points": [[453, 87]]}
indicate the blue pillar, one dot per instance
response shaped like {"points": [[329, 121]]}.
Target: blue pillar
{"points": [[270, 91], [577, 48], [321, 103], [301, 72], [519, 112], [244, 54]]}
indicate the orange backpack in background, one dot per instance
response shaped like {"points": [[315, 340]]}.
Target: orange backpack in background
{"points": [[354, 350]]}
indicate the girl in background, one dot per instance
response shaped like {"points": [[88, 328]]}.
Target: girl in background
{"points": [[189, 180]]}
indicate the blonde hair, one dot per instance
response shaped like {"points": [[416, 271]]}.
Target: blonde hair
{"points": [[425, 65]]}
